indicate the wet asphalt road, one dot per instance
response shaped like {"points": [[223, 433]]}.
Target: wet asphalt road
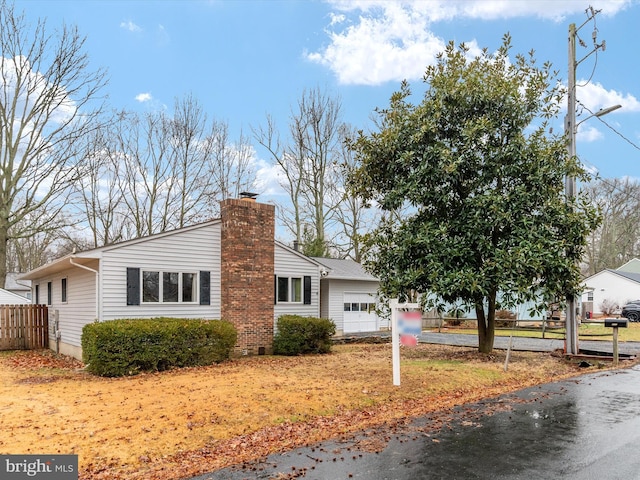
{"points": [[585, 428]]}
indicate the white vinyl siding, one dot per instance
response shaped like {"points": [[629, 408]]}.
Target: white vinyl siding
{"points": [[73, 315], [290, 265], [187, 251]]}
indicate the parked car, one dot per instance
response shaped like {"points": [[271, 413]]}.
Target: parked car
{"points": [[631, 311]]}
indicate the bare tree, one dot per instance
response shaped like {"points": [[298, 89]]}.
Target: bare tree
{"points": [[191, 189], [150, 173], [26, 252], [230, 162], [315, 130], [99, 197], [308, 160], [617, 240], [353, 217], [47, 95], [291, 167]]}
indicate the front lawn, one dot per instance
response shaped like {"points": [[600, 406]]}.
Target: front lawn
{"points": [[185, 422]]}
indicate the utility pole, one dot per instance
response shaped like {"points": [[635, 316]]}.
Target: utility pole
{"points": [[571, 129], [571, 321]]}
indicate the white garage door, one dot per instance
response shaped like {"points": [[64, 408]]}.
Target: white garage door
{"points": [[359, 313]]}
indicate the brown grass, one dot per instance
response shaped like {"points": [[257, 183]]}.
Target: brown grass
{"points": [[183, 422]]}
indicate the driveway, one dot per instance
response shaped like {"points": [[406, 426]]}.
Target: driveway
{"points": [[585, 428]]}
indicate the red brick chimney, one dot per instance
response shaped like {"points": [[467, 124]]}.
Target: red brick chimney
{"points": [[247, 251]]}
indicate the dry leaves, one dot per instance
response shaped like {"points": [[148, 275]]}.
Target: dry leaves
{"points": [[186, 422]]}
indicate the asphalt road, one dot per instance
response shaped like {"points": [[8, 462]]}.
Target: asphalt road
{"points": [[586, 428]]}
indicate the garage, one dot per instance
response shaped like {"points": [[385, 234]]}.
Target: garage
{"points": [[360, 313]]}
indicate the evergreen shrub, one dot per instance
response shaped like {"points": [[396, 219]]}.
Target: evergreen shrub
{"points": [[298, 335], [126, 347]]}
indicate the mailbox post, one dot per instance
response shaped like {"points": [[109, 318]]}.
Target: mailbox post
{"points": [[615, 323]]}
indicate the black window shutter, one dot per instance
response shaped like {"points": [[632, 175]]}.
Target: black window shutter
{"points": [[133, 286], [205, 288], [275, 289], [307, 290]]}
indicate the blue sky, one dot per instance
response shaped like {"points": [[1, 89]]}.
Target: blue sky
{"points": [[245, 59]]}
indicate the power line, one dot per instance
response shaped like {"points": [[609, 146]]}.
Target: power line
{"points": [[614, 130]]}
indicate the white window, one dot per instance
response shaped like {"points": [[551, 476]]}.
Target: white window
{"points": [[169, 287], [289, 290]]}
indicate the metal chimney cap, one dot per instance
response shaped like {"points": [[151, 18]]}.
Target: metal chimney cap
{"points": [[249, 195]]}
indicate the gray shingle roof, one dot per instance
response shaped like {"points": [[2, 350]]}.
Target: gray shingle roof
{"points": [[344, 269], [629, 275]]}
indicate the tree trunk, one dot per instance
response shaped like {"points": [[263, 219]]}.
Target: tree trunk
{"points": [[486, 324], [4, 238]]}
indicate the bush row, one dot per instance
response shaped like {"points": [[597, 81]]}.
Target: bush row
{"points": [[127, 347]]}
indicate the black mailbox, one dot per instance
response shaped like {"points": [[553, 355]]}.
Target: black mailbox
{"points": [[615, 322]]}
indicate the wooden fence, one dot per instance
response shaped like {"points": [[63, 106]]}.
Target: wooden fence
{"points": [[23, 327]]}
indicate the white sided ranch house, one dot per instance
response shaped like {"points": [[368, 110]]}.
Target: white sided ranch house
{"points": [[229, 268]]}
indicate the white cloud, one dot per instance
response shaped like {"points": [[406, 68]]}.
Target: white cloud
{"points": [[144, 97], [594, 96], [381, 48], [588, 133], [376, 41], [268, 178], [129, 25], [162, 36]]}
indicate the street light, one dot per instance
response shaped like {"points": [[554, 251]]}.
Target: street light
{"points": [[571, 320], [571, 128]]}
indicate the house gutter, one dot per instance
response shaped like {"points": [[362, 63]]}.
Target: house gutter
{"points": [[98, 296]]}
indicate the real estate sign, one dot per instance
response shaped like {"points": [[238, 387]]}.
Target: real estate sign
{"points": [[406, 325]]}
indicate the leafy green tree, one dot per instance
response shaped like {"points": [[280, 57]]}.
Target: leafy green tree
{"points": [[488, 226]]}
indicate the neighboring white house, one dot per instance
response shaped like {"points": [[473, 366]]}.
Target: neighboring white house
{"points": [[614, 287], [10, 298], [348, 296], [19, 287], [229, 268]]}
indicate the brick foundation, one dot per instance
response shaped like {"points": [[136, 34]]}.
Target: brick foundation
{"points": [[247, 255]]}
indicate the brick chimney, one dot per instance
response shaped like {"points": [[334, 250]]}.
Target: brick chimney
{"points": [[247, 260]]}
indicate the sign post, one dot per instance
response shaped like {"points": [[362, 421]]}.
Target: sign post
{"points": [[405, 325]]}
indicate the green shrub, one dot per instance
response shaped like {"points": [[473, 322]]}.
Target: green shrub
{"points": [[297, 335], [126, 347]]}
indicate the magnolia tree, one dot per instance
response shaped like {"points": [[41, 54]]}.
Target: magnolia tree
{"points": [[481, 181]]}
